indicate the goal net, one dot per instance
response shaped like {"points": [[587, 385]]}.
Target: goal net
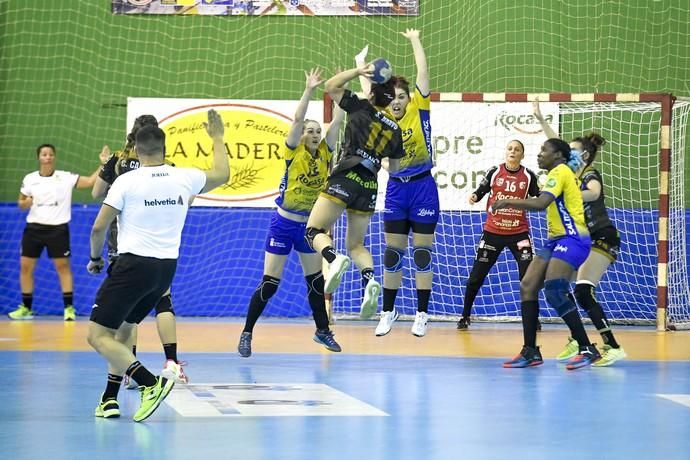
{"points": [[635, 184]]}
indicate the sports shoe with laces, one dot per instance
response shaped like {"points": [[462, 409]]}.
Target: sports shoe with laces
{"points": [[335, 273], [371, 299], [586, 356], [419, 326], [128, 383], [386, 322], [570, 350], [325, 338], [152, 397], [70, 313], [528, 357], [174, 371], [609, 356], [107, 409], [464, 322], [244, 348], [21, 313]]}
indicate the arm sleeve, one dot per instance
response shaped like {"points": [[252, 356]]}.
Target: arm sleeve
{"points": [[25, 189], [533, 183], [590, 176], [116, 194], [289, 152], [485, 184], [107, 172], [74, 178], [350, 102], [198, 180]]}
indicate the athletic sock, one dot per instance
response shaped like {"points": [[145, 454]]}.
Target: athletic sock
{"points": [[170, 350], [329, 254], [389, 296], [28, 300], [423, 296], [67, 299], [112, 387], [140, 374]]}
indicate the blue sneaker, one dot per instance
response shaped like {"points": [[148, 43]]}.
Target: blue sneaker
{"points": [[528, 357], [325, 338], [587, 355], [245, 346]]}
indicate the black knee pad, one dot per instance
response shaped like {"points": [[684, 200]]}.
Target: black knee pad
{"points": [[584, 295], [393, 259], [268, 287], [422, 259], [556, 293], [311, 233], [165, 305], [314, 284]]}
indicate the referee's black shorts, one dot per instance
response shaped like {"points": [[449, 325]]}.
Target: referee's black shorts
{"points": [[55, 238], [132, 289]]}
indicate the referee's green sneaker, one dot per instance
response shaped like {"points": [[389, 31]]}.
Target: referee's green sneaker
{"points": [[21, 313], [152, 397], [70, 313], [570, 350]]}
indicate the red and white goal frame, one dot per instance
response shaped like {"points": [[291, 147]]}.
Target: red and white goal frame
{"points": [[666, 111]]}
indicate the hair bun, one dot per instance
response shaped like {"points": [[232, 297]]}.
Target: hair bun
{"points": [[596, 139]]}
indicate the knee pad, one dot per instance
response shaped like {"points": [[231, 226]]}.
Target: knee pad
{"points": [[584, 295], [393, 259], [556, 292], [314, 284], [311, 233], [268, 287], [165, 305], [422, 259]]}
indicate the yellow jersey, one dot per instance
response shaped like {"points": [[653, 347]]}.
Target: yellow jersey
{"points": [[565, 215], [304, 178], [416, 134]]}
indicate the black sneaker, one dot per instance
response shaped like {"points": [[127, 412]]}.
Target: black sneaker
{"points": [[528, 357], [325, 338], [464, 322], [245, 346]]}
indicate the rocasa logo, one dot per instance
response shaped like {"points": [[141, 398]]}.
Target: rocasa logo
{"points": [[525, 123], [165, 202]]}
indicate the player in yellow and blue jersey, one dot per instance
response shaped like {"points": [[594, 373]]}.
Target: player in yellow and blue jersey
{"points": [[307, 162], [566, 248], [412, 201]]}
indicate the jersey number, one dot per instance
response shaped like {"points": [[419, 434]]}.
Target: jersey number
{"points": [[511, 186], [378, 139]]}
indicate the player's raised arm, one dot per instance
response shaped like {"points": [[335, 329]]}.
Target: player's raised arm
{"points": [[360, 60], [422, 80], [548, 130], [335, 86], [313, 79], [220, 173], [334, 129]]}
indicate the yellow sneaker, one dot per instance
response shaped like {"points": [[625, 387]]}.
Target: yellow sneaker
{"points": [[570, 350], [609, 356], [70, 313], [21, 313], [108, 409], [152, 397]]}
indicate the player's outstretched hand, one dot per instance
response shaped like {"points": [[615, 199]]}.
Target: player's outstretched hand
{"points": [[361, 57], [313, 78], [95, 266], [410, 33], [214, 127], [104, 155], [536, 110], [473, 199], [366, 70]]}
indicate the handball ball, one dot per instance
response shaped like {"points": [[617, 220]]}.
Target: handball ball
{"points": [[382, 71]]}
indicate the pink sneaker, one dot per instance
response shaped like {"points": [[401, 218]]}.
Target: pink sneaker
{"points": [[174, 371]]}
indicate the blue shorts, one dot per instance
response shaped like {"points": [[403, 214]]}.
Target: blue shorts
{"points": [[415, 201], [571, 249], [284, 234]]}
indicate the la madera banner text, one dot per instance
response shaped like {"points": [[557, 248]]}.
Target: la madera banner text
{"points": [[467, 139], [269, 7]]}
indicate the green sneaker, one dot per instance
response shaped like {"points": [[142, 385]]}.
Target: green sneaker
{"points": [[609, 356], [108, 409], [21, 313], [152, 397], [70, 313], [570, 350]]}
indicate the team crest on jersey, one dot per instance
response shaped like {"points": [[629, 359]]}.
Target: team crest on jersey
{"points": [[499, 181]]}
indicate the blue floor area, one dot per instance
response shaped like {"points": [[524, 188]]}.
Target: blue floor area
{"points": [[437, 408]]}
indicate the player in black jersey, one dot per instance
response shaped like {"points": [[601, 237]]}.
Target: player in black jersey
{"points": [[371, 135], [605, 245], [119, 163]]}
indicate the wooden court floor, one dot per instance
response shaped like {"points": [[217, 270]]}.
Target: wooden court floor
{"points": [[484, 340]]}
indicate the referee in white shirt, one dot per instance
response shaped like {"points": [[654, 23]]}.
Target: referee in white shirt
{"points": [[152, 204], [47, 194]]}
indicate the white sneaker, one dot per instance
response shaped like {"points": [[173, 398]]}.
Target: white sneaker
{"points": [[386, 322], [128, 383], [370, 304], [174, 371], [335, 273], [419, 325]]}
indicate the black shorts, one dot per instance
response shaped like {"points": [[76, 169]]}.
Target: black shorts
{"points": [[53, 237], [607, 241], [355, 188], [132, 289]]}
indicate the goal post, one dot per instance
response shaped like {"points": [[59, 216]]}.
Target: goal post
{"points": [[643, 172]]}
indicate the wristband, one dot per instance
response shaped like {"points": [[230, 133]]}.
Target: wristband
{"points": [[96, 259]]}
